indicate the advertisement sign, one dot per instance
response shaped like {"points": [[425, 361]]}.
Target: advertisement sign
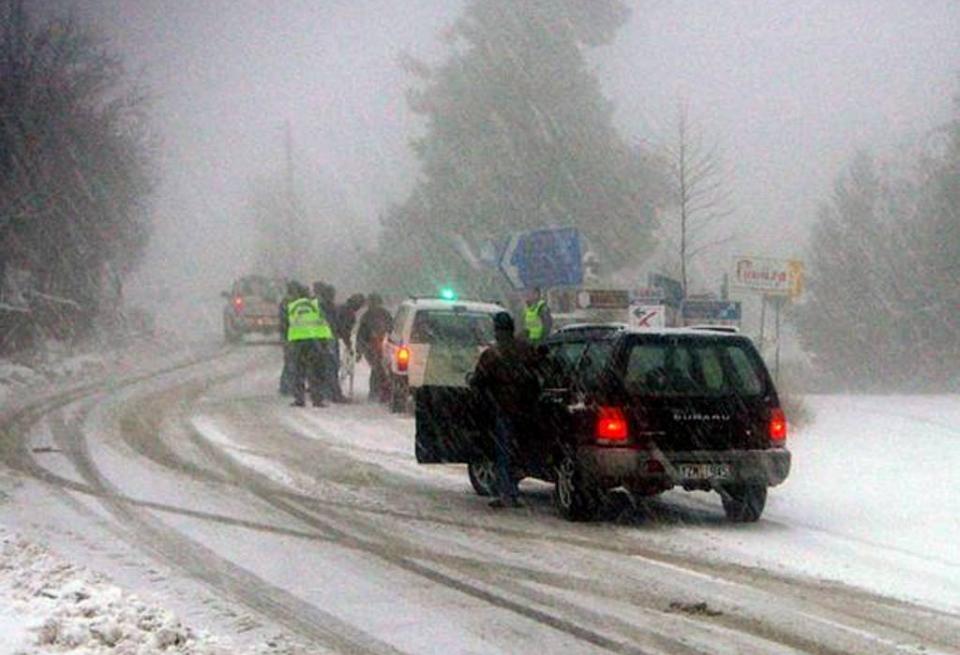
{"points": [[772, 277]]}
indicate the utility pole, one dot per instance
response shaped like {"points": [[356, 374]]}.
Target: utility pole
{"points": [[293, 239], [288, 152]]}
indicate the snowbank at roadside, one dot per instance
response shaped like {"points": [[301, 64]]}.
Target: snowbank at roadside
{"points": [[57, 363], [48, 605]]}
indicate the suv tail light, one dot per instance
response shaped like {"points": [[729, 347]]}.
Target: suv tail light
{"points": [[238, 304], [611, 426], [403, 358], [778, 425]]}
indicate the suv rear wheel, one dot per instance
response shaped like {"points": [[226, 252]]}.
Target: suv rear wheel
{"points": [[744, 503], [483, 476], [576, 497]]}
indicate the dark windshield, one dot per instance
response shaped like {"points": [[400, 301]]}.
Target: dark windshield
{"points": [[452, 327], [261, 287], [579, 362], [692, 366]]}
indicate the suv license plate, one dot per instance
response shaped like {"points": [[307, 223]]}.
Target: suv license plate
{"points": [[705, 471]]}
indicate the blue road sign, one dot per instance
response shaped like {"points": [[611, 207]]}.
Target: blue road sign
{"points": [[549, 257], [706, 310]]}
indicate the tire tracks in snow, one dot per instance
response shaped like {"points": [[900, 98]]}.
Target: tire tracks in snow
{"points": [[152, 536], [474, 577], [874, 614]]}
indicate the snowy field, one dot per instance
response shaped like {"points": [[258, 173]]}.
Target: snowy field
{"points": [[136, 537]]}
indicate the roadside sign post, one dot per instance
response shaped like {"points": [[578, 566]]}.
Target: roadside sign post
{"points": [[549, 257], [779, 280]]}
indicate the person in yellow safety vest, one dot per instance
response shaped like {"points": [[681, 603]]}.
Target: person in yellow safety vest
{"points": [[537, 321], [307, 331]]}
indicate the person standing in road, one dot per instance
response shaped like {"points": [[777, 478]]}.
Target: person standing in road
{"points": [[326, 295], [307, 327], [286, 375], [506, 378], [344, 322], [537, 321], [374, 326]]}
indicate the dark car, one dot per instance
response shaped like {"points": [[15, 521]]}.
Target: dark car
{"points": [[646, 410], [252, 307]]}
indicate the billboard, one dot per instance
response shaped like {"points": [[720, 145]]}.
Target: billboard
{"points": [[772, 277]]}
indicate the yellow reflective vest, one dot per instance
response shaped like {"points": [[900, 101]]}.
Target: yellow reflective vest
{"points": [[305, 320], [532, 320]]}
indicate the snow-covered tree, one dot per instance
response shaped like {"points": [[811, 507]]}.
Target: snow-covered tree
{"points": [[518, 136], [75, 165]]}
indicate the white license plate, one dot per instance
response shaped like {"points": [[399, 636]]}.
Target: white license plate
{"points": [[705, 471]]}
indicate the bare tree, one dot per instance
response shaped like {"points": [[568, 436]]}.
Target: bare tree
{"points": [[700, 191]]}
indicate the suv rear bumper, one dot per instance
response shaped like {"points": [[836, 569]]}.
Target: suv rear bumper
{"points": [[616, 466]]}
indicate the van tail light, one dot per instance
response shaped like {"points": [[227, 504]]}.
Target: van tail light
{"points": [[611, 426], [403, 358], [778, 426], [238, 304]]}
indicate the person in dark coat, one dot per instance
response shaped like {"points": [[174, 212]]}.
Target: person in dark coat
{"points": [[346, 319], [326, 294], [286, 375], [375, 325], [507, 379]]}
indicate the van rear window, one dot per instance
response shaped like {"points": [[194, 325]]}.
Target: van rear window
{"points": [[452, 327], [682, 366]]}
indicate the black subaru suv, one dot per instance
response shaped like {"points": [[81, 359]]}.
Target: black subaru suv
{"points": [[646, 410]]}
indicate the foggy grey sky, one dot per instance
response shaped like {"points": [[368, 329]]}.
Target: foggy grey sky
{"points": [[788, 88]]}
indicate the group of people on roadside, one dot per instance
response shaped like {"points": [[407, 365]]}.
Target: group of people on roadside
{"points": [[507, 374], [313, 327]]}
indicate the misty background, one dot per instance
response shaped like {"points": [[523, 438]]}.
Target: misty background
{"points": [[247, 95], [790, 90]]}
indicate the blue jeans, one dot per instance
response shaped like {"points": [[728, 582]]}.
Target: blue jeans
{"points": [[503, 436]]}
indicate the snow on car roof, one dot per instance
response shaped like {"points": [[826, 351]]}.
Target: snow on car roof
{"points": [[469, 305]]}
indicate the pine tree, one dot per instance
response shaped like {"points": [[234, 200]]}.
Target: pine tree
{"points": [[519, 136]]}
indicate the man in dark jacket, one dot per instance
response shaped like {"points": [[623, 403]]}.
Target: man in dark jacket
{"points": [[326, 294], [286, 375], [506, 377], [344, 322], [374, 326]]}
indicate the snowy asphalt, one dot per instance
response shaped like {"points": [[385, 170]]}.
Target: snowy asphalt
{"points": [[190, 480]]}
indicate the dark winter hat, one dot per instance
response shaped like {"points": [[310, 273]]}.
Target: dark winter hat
{"points": [[502, 321]]}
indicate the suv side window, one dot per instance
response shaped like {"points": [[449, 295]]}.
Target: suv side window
{"points": [[559, 363], [747, 379]]}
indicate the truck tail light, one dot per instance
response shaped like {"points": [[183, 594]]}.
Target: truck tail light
{"points": [[778, 425], [403, 358], [611, 426]]}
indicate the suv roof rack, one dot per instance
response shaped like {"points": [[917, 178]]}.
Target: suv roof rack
{"points": [[730, 329]]}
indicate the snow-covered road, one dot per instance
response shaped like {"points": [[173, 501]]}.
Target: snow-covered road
{"points": [[196, 487]]}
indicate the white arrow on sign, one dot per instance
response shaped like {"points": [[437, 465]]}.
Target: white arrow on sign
{"points": [[509, 269]]}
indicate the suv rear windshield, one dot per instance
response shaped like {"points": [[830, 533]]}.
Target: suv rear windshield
{"points": [[452, 327], [260, 287], [665, 366], [574, 360]]}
